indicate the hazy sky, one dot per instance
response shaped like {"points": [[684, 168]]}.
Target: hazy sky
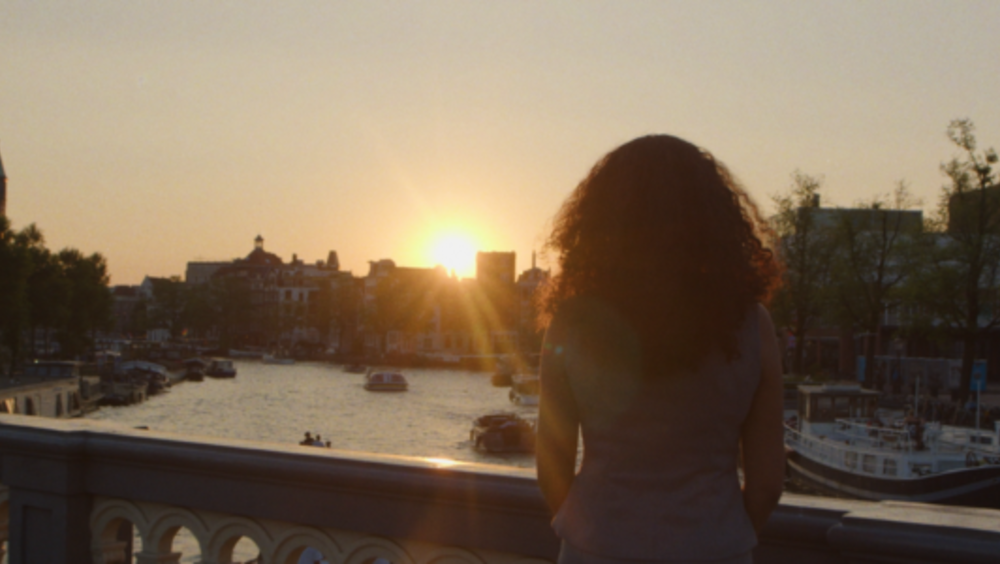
{"points": [[162, 132]]}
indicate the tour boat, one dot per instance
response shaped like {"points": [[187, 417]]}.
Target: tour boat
{"points": [[502, 432], [220, 368], [385, 382], [839, 443]]}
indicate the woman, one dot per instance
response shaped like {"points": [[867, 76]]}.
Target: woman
{"points": [[659, 351]]}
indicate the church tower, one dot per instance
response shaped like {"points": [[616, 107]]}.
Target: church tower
{"points": [[3, 190]]}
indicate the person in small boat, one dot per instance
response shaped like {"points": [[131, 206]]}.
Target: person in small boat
{"points": [[308, 440], [318, 441], [658, 349]]}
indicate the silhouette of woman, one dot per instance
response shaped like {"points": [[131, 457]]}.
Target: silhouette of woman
{"points": [[659, 351]]}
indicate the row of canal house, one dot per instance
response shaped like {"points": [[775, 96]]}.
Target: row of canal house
{"points": [[836, 349], [392, 310]]}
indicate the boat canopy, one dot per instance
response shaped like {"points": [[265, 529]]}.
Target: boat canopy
{"points": [[829, 402]]}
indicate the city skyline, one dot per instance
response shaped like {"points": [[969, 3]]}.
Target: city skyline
{"points": [[159, 134]]}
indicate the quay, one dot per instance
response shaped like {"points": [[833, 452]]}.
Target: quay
{"points": [[70, 485]]}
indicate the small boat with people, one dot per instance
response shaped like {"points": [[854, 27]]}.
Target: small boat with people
{"points": [[502, 432], [840, 442], [220, 368], [386, 382]]}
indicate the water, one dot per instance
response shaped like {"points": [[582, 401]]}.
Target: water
{"points": [[277, 403]]}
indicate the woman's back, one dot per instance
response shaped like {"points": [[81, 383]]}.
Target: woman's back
{"points": [[659, 352], [660, 450]]}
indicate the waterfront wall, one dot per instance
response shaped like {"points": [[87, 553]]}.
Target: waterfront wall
{"points": [[72, 483]]}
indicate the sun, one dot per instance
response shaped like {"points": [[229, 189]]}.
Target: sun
{"points": [[456, 252]]}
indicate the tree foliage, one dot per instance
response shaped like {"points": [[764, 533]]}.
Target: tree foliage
{"points": [[805, 250], [64, 294], [957, 289], [875, 250]]}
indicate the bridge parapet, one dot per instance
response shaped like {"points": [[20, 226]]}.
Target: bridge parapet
{"points": [[73, 483]]}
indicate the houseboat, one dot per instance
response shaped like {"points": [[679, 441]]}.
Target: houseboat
{"points": [[840, 443]]}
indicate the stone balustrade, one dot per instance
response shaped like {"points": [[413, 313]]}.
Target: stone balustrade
{"points": [[76, 486]]}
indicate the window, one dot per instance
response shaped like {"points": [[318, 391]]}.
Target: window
{"points": [[889, 467], [868, 463], [851, 460]]}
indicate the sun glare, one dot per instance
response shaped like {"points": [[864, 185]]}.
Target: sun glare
{"points": [[456, 253]]}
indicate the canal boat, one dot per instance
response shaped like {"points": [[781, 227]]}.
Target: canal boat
{"points": [[220, 368], [840, 443], [502, 432], [386, 382]]}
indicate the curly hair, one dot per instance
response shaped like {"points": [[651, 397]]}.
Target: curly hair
{"points": [[662, 232]]}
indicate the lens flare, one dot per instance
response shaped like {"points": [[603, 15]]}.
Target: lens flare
{"points": [[456, 252]]}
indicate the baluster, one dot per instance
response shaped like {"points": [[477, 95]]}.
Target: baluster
{"points": [[113, 552], [145, 557]]}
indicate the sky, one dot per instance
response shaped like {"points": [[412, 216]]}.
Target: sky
{"points": [[158, 133]]}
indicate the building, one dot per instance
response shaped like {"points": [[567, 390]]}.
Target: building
{"points": [[3, 189], [495, 268], [264, 301], [529, 283]]}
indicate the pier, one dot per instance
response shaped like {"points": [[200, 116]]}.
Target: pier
{"points": [[72, 484]]}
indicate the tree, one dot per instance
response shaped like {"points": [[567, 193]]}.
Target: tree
{"points": [[89, 300], [168, 304], [959, 286], [805, 250], [15, 266], [47, 293], [874, 251]]}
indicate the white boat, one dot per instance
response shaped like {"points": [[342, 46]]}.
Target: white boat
{"points": [[839, 442], [386, 382], [271, 359], [220, 368], [524, 389]]}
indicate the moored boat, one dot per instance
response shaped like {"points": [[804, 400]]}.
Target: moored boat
{"points": [[386, 382], [840, 443], [194, 369], [502, 432]]}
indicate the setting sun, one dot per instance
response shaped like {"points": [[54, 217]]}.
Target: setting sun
{"points": [[456, 253]]}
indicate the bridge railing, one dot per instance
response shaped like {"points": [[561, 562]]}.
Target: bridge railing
{"points": [[73, 484]]}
